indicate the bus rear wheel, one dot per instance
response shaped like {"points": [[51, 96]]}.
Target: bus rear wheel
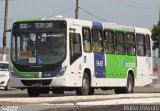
{"points": [[85, 89], [33, 92], [128, 89], [130, 84]]}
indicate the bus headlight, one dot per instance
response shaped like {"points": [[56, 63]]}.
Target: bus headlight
{"points": [[63, 70]]}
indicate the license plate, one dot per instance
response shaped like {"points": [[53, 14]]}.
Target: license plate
{"points": [[36, 85]]}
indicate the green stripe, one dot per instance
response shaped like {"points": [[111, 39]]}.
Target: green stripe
{"points": [[25, 74], [30, 20], [118, 30]]}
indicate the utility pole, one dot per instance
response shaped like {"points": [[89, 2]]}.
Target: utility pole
{"points": [[159, 45], [159, 35], [5, 29], [5, 23], [76, 10]]}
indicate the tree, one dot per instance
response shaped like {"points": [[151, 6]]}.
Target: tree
{"points": [[156, 37]]}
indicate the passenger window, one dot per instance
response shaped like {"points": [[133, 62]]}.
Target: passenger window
{"points": [[140, 44], [120, 42], [131, 47], [148, 47], [86, 40], [97, 41], [109, 42]]}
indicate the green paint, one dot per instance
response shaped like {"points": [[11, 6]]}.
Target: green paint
{"points": [[110, 66], [30, 20], [119, 30], [118, 65], [25, 74]]}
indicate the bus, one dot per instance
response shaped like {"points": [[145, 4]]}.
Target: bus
{"points": [[4, 75], [63, 54]]}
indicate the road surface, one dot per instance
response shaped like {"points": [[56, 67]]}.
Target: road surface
{"points": [[15, 95]]}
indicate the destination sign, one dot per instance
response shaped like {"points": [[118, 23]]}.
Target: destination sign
{"points": [[39, 25], [35, 25]]}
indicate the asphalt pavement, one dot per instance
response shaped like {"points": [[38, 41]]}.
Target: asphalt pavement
{"points": [[18, 100]]}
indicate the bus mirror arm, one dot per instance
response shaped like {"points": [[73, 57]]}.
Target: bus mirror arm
{"points": [[9, 30]]}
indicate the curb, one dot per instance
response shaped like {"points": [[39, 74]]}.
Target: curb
{"points": [[79, 105], [73, 99]]}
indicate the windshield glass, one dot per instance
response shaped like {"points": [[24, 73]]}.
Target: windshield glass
{"points": [[38, 46], [4, 67]]}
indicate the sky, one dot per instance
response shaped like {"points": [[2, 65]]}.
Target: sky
{"points": [[139, 13]]}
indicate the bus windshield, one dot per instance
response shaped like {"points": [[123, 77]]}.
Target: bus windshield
{"points": [[34, 44]]}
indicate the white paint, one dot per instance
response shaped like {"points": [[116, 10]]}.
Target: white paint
{"points": [[4, 57], [144, 63], [4, 75]]}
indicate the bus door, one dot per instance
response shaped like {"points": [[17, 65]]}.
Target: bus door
{"points": [[75, 52], [99, 57]]}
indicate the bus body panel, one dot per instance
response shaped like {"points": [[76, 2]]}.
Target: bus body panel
{"points": [[99, 65], [144, 63], [109, 82], [111, 65]]}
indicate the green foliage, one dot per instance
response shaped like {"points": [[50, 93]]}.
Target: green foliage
{"points": [[155, 35]]}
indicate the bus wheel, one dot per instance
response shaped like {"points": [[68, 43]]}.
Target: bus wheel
{"points": [[91, 92], [128, 89], [33, 92], [84, 90], [7, 86], [130, 84]]}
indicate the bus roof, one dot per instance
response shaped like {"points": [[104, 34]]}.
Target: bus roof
{"points": [[114, 26], [87, 23], [142, 30]]}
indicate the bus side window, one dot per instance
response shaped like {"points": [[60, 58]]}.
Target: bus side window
{"points": [[131, 47], [86, 40], [109, 41], [75, 47], [120, 42], [97, 40], [148, 47], [140, 44]]}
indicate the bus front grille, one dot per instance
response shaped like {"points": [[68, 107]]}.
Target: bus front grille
{"points": [[31, 82]]}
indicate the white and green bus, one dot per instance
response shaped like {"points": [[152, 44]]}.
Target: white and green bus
{"points": [[62, 54]]}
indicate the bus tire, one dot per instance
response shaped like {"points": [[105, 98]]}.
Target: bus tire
{"points": [[128, 89], [33, 92], [91, 91], [7, 86], [130, 84], [84, 90]]}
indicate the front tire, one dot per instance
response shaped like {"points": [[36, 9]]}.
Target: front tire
{"points": [[85, 89], [33, 92], [7, 86]]}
